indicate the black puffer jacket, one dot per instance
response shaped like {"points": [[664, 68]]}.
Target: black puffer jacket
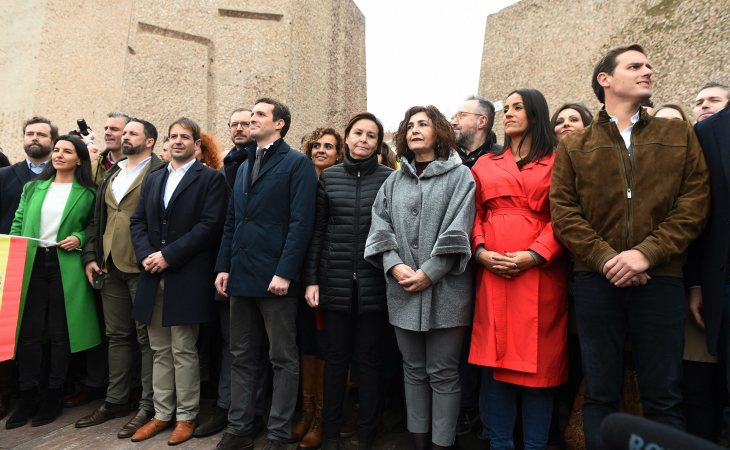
{"points": [[335, 260]]}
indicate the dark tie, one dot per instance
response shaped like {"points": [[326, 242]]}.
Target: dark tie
{"points": [[257, 164]]}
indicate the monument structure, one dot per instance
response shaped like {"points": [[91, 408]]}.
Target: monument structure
{"points": [[553, 46], [159, 60]]}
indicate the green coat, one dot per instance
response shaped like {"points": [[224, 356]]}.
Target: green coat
{"points": [[83, 324]]}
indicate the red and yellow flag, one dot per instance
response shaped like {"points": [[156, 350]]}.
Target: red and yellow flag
{"points": [[12, 266]]}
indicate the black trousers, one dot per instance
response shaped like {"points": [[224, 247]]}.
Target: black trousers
{"points": [[44, 314], [352, 337]]}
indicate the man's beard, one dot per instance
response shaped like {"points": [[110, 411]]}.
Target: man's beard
{"points": [[464, 139], [126, 150], [37, 151]]}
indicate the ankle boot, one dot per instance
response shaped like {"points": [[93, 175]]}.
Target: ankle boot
{"points": [[51, 407], [309, 373], [421, 441], [26, 408], [313, 439]]}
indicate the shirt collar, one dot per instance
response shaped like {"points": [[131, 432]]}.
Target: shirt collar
{"points": [[634, 118], [182, 169], [37, 169], [123, 163]]}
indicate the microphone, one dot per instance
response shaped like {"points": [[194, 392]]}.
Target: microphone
{"points": [[626, 432]]}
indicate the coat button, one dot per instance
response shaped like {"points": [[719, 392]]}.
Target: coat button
{"points": [[414, 245], [164, 222], [163, 241], [414, 211]]}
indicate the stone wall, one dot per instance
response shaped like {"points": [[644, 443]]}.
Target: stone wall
{"points": [[160, 60], [553, 46]]}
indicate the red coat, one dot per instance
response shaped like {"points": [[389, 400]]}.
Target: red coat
{"points": [[520, 324]]}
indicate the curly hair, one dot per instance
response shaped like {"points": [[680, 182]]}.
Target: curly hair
{"points": [[210, 151], [318, 133], [444, 134]]}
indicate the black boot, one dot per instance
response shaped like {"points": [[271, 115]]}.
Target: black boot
{"points": [[27, 406], [50, 408], [421, 441]]}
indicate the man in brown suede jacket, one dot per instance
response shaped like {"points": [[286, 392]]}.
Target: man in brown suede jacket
{"points": [[629, 194]]}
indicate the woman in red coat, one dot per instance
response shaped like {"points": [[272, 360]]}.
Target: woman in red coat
{"points": [[520, 319]]}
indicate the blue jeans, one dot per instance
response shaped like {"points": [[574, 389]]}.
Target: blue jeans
{"points": [[537, 411], [653, 318]]}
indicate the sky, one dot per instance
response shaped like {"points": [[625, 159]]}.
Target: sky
{"points": [[423, 52]]}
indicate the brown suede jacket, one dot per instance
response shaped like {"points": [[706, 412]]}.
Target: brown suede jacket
{"points": [[601, 205]]}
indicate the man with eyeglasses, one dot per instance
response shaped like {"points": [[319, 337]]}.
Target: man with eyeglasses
{"points": [[239, 127], [472, 126]]}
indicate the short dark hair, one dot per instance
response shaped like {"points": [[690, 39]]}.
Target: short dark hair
{"points": [[318, 133], [188, 124], [607, 64], [585, 114], [281, 112], [487, 107], [543, 136], [149, 130], [444, 134], [366, 116], [83, 171], [117, 114], [235, 111], [40, 119], [712, 84]]}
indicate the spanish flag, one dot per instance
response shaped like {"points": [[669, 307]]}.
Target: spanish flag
{"points": [[12, 266]]}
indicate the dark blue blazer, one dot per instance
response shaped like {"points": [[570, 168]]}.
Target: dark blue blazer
{"points": [[12, 180], [708, 256], [269, 224], [188, 233]]}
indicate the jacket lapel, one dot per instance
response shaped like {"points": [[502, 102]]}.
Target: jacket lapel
{"points": [[39, 195], [281, 150], [73, 198], [506, 162], [187, 179], [22, 171]]}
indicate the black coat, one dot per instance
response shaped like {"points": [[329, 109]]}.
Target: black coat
{"points": [[335, 260], [708, 256], [188, 233], [12, 180]]}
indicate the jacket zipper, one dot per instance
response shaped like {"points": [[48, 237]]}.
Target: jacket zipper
{"points": [[356, 224], [629, 182]]}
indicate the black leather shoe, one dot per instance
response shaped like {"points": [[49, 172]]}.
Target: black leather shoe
{"points": [[233, 442], [83, 396], [51, 407], [140, 419], [212, 424], [26, 408], [104, 412]]}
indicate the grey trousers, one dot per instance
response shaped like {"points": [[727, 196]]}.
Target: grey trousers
{"points": [[176, 369], [431, 381], [117, 296], [251, 320]]}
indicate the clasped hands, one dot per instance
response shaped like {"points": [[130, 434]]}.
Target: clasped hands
{"points": [[627, 269], [155, 263], [409, 279], [507, 264]]}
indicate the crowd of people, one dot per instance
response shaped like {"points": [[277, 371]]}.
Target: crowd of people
{"points": [[517, 279]]}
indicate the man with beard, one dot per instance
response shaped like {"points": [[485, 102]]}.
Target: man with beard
{"points": [[240, 127], [38, 136], [113, 129], [112, 268], [472, 126]]}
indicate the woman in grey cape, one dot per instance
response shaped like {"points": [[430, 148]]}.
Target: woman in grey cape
{"points": [[421, 223]]}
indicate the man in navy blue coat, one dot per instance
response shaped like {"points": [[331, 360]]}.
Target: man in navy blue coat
{"points": [[268, 227]]}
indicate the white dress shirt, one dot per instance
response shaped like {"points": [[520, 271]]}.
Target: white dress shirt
{"points": [[125, 178], [173, 179]]}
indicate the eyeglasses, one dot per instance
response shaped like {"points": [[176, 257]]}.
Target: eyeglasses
{"points": [[235, 125], [461, 114]]}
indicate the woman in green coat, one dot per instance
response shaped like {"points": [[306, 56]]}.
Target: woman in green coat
{"points": [[57, 302]]}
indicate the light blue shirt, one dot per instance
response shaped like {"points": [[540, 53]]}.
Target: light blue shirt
{"points": [[173, 179], [37, 169]]}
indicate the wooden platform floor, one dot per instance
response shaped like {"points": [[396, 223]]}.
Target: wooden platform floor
{"points": [[61, 435]]}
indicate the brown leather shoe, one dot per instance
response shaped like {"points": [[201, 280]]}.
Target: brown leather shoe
{"points": [[102, 414], [83, 396], [141, 418], [150, 429], [182, 432]]}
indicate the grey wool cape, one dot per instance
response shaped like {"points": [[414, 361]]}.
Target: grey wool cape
{"points": [[425, 222]]}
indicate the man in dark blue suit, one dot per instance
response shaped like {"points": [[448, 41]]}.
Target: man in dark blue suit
{"points": [[38, 136], [707, 268], [175, 232], [268, 227]]}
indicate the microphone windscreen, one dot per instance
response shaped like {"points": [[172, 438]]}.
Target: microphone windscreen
{"points": [[626, 432]]}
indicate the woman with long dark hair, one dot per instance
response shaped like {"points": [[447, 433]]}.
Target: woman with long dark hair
{"points": [[520, 317], [570, 117], [56, 299], [419, 235]]}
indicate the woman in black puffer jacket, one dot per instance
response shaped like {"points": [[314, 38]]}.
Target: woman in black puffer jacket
{"points": [[349, 291]]}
